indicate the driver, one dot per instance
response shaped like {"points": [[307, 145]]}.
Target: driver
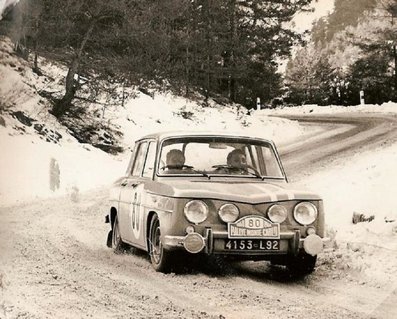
{"points": [[236, 158]]}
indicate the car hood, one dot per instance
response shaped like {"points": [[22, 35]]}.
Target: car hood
{"points": [[239, 191]]}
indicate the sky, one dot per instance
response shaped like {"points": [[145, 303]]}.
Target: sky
{"points": [[304, 21]]}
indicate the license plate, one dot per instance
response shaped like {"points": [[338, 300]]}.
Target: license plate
{"points": [[253, 244]]}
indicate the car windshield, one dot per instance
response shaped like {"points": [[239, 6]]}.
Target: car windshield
{"points": [[224, 156]]}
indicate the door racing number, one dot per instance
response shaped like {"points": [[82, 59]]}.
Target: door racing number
{"points": [[136, 211]]}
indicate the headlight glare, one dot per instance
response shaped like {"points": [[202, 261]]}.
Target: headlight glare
{"points": [[277, 213], [305, 213], [196, 211], [228, 213]]}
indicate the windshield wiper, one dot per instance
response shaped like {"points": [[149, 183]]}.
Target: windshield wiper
{"points": [[243, 168], [256, 175], [202, 173]]}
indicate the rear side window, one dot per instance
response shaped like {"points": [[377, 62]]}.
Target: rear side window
{"points": [[139, 159], [150, 159]]}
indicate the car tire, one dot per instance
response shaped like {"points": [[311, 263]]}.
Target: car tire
{"points": [[302, 264], [160, 258], [117, 244]]}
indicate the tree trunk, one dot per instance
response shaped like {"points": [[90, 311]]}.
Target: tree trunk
{"points": [[208, 53], [232, 80], [63, 105], [187, 84], [395, 72], [35, 48]]}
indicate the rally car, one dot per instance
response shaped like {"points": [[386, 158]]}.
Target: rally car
{"points": [[215, 194]]}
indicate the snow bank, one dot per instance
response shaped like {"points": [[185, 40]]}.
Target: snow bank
{"points": [[145, 115], [365, 185], [385, 108], [27, 172]]}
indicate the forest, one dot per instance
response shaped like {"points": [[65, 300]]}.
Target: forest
{"points": [[352, 49], [224, 49], [227, 50]]}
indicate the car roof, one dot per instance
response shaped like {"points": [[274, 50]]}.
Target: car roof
{"points": [[169, 134]]}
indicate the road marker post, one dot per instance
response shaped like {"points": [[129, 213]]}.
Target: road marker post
{"points": [[362, 100]]}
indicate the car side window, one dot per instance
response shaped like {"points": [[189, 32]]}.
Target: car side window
{"points": [[130, 163], [150, 159], [271, 164], [139, 159], [252, 157]]}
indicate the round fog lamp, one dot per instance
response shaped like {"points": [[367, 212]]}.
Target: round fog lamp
{"points": [[194, 243], [277, 213], [228, 213], [196, 211], [313, 245], [305, 213]]}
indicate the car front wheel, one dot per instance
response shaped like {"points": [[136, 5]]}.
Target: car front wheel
{"points": [[160, 258], [117, 243], [302, 264]]}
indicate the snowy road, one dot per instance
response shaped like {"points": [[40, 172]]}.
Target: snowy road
{"points": [[342, 136], [54, 262]]}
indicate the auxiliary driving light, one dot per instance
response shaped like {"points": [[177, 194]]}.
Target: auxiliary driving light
{"points": [[228, 213], [277, 213], [313, 245], [194, 243], [196, 211], [305, 213]]}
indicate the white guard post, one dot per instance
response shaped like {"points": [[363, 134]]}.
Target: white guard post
{"points": [[258, 103], [362, 101]]}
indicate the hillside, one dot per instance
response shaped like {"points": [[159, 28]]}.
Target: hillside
{"points": [[351, 50], [91, 148]]}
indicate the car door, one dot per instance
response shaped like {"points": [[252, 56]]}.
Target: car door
{"points": [[133, 194], [129, 195]]}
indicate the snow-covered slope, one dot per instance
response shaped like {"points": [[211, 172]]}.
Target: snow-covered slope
{"points": [[42, 158]]}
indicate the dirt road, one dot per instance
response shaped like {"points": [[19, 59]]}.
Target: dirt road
{"points": [[54, 262]]}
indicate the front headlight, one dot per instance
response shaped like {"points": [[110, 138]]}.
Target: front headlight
{"points": [[196, 211], [305, 213], [228, 213], [277, 213]]}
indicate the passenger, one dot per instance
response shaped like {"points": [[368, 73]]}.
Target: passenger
{"points": [[175, 161]]}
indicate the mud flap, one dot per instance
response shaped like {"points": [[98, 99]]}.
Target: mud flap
{"points": [[109, 240]]}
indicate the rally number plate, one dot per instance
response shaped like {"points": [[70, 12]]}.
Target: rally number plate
{"points": [[252, 244], [253, 227]]}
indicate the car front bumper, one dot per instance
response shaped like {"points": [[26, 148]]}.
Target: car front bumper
{"points": [[213, 242]]}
